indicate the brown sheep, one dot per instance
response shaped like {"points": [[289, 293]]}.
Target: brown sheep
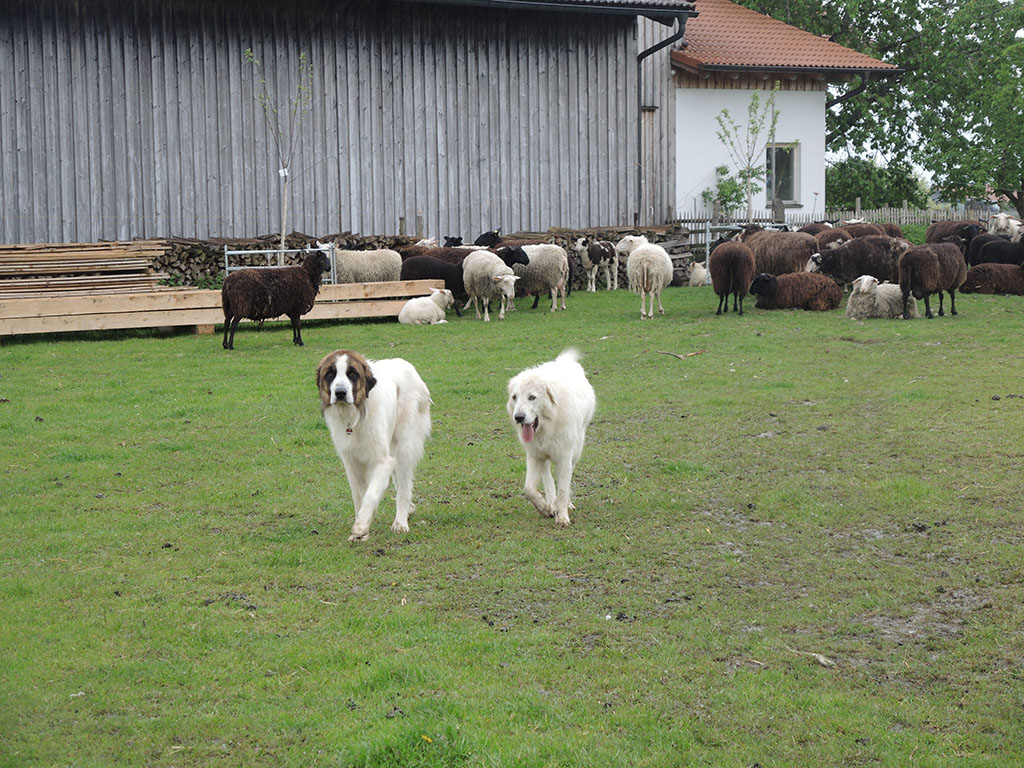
{"points": [[832, 238], [263, 294], [779, 253], [802, 290], [862, 228], [965, 229], [928, 269], [1005, 279], [732, 266], [892, 230], [815, 228]]}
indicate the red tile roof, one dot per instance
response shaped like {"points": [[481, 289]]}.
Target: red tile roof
{"points": [[726, 36]]}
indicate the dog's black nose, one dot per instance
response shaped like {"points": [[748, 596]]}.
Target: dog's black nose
{"points": [[339, 393], [520, 418]]}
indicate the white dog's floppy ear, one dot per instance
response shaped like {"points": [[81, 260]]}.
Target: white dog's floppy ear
{"points": [[550, 395]]}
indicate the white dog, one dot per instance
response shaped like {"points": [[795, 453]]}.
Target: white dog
{"points": [[378, 413], [552, 405]]}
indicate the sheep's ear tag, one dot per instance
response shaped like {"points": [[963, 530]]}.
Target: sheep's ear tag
{"points": [[348, 430]]}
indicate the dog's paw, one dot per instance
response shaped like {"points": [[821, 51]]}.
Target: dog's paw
{"points": [[562, 520], [358, 535], [398, 527], [545, 510]]}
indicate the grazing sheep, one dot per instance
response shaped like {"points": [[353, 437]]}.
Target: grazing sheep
{"points": [[453, 255], [648, 269], [799, 290], [602, 254], [1003, 224], [488, 239], [1001, 252], [875, 255], [699, 274], [486, 276], [815, 227], [262, 294], [928, 269], [779, 253], [892, 229], [427, 310], [870, 299], [379, 266], [732, 266], [832, 238], [965, 229], [995, 278], [546, 271], [861, 228], [427, 268]]}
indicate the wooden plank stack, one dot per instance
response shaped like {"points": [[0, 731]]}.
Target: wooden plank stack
{"points": [[79, 269], [191, 307]]}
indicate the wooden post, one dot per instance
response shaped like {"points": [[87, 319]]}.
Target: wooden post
{"points": [[856, 208], [419, 224], [401, 226]]}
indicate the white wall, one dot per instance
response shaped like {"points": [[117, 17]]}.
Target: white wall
{"points": [[699, 151]]}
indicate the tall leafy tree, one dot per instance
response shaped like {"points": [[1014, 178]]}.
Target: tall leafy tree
{"points": [[877, 186]]}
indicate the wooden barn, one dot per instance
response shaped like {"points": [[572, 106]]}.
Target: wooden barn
{"points": [[124, 119]]}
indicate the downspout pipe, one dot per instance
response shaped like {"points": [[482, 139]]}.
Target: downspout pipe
{"points": [[677, 35]]}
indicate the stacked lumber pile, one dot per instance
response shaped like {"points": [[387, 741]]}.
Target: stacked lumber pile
{"points": [[79, 269], [201, 262]]}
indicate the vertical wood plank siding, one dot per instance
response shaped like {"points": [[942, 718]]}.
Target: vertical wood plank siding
{"points": [[140, 119]]}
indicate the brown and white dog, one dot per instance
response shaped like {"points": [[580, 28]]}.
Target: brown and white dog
{"points": [[552, 405], [378, 414]]}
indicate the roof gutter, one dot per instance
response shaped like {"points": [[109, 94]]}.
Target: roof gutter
{"points": [[681, 19], [664, 16]]}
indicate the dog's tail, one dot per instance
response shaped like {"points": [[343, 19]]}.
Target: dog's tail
{"points": [[571, 353]]}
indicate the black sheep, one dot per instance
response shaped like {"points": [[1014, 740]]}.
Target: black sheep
{"points": [[263, 294], [427, 268], [974, 249], [796, 290], [928, 269], [1000, 252], [731, 265], [875, 255]]}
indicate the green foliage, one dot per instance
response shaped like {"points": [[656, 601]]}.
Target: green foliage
{"points": [[877, 186], [746, 142], [957, 108], [728, 194], [176, 588]]}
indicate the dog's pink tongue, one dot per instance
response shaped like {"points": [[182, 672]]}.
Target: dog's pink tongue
{"points": [[527, 432]]}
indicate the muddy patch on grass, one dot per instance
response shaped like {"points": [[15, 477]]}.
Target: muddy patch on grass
{"points": [[941, 619]]}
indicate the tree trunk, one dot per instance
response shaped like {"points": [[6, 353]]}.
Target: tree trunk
{"points": [[284, 206]]}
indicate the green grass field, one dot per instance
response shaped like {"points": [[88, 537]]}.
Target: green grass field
{"points": [[801, 546]]}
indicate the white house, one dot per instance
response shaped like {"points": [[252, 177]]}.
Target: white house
{"points": [[728, 52]]}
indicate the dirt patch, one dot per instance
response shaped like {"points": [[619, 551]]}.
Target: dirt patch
{"points": [[940, 619]]}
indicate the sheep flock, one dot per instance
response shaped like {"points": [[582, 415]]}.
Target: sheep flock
{"points": [[881, 274]]}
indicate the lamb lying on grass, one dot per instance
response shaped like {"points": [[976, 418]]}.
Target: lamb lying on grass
{"points": [[871, 299], [427, 310]]}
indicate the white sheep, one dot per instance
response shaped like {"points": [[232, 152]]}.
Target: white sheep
{"points": [[547, 272], [648, 269], [486, 276], [427, 310], [1004, 224], [870, 298], [699, 274], [598, 254], [379, 266]]}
